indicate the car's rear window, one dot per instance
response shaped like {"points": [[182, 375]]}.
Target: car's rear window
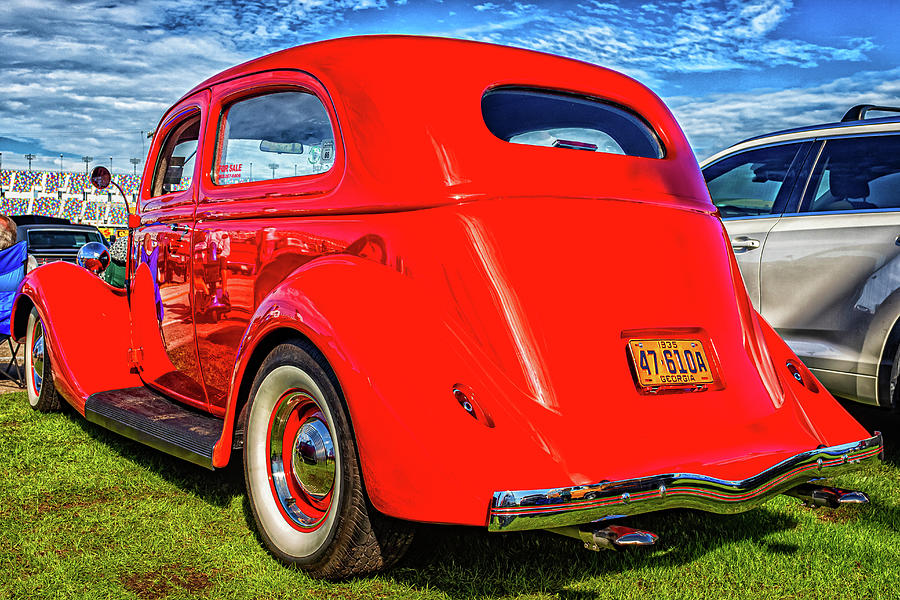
{"points": [[46, 239], [553, 119]]}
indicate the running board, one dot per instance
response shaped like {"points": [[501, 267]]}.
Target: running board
{"points": [[148, 417]]}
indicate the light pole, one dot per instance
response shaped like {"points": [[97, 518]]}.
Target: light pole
{"points": [[87, 160], [110, 164], [29, 158], [273, 166], [134, 163], [60, 163]]}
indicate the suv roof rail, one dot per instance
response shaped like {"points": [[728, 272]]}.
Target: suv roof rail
{"points": [[858, 112]]}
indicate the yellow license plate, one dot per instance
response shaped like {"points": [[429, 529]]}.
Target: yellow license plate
{"points": [[670, 362]]}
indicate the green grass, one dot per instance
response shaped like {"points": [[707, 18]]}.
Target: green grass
{"points": [[85, 513]]}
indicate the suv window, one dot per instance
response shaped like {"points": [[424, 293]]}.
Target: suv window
{"points": [[543, 118], [856, 174], [278, 135], [751, 183], [175, 165], [45, 239]]}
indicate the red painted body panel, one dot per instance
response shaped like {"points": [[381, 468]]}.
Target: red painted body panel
{"points": [[537, 337], [86, 358], [434, 254]]}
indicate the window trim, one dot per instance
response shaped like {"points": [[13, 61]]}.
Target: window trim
{"points": [[796, 179], [147, 202], [805, 200], [167, 147], [551, 91], [251, 93]]}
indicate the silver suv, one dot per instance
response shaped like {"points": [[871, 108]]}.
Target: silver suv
{"points": [[814, 220]]}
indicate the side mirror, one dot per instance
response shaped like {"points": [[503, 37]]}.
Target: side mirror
{"points": [[100, 177], [94, 257]]}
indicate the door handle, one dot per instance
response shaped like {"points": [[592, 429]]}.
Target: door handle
{"points": [[183, 229], [744, 244]]}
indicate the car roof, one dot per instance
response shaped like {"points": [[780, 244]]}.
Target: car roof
{"points": [[410, 118], [809, 132], [20, 220], [824, 127]]}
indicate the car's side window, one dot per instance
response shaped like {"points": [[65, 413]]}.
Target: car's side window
{"points": [[273, 136], [175, 164], [860, 173], [752, 183]]}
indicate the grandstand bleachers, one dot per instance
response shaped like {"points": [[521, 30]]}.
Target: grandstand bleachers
{"points": [[65, 194], [92, 211], [77, 183], [14, 206], [47, 206], [26, 180], [71, 209], [53, 182]]}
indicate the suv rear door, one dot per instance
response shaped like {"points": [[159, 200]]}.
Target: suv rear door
{"points": [[832, 265]]}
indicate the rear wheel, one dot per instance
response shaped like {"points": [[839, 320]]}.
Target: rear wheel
{"points": [[302, 473], [42, 394]]}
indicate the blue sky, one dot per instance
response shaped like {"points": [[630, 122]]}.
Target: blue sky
{"points": [[88, 76]]}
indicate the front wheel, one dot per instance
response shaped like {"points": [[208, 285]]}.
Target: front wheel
{"points": [[302, 473], [42, 394]]}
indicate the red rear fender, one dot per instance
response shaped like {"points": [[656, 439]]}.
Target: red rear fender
{"points": [[396, 365]]}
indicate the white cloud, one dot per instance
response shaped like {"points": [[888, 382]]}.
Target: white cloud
{"points": [[718, 121], [666, 36], [96, 72]]}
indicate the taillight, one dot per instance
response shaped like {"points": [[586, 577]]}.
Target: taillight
{"points": [[802, 375]]}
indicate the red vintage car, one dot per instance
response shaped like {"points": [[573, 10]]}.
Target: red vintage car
{"points": [[430, 280]]}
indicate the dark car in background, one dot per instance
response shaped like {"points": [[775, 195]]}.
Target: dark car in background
{"points": [[813, 216], [51, 238]]}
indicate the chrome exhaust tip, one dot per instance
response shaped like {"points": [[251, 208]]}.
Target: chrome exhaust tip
{"points": [[620, 536], [817, 496], [611, 537]]}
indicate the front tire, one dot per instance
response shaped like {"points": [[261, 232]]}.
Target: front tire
{"points": [[42, 395], [302, 473]]}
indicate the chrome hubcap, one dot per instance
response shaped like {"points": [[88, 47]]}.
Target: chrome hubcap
{"points": [[37, 358], [313, 458], [301, 459]]}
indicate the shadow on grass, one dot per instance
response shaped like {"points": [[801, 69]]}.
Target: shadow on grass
{"points": [[875, 418], [217, 488], [465, 562]]}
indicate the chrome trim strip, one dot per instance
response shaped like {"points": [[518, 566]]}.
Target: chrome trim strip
{"points": [[542, 509], [765, 216]]}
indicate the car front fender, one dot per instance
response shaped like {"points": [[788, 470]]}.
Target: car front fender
{"points": [[84, 319]]}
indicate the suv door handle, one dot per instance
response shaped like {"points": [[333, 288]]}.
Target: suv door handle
{"points": [[744, 244]]}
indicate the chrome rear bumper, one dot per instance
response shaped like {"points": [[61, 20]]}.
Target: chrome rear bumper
{"points": [[560, 507]]}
